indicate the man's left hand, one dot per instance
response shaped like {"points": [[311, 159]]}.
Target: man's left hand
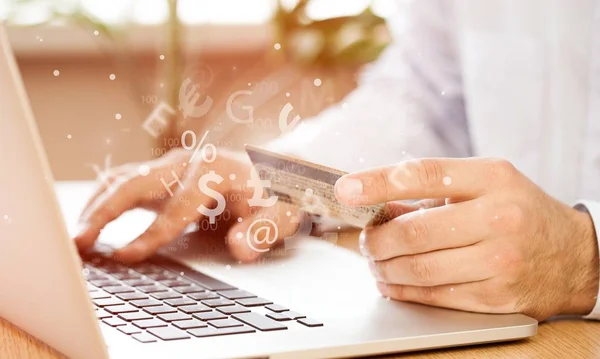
{"points": [[489, 241]]}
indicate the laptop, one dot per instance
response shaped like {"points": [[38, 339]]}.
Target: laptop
{"points": [[316, 301]]}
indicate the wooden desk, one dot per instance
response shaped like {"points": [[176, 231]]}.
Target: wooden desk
{"points": [[559, 338]]}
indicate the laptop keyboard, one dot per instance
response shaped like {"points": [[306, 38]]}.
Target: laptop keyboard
{"points": [[164, 300]]}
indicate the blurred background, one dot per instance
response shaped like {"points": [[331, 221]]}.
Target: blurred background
{"points": [[118, 81]]}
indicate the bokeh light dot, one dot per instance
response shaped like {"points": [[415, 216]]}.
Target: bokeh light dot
{"points": [[112, 77], [318, 82], [144, 170], [56, 72]]}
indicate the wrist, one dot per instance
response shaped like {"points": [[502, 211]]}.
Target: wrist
{"points": [[585, 278]]}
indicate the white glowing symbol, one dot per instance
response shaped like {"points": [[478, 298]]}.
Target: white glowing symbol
{"points": [[259, 186], [253, 237], [103, 175], [209, 157], [156, 122], [188, 99], [229, 108], [284, 115], [203, 186]]}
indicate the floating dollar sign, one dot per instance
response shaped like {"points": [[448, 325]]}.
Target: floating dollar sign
{"points": [[203, 185], [188, 97]]}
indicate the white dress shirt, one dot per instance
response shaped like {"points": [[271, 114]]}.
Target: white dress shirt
{"points": [[513, 79]]}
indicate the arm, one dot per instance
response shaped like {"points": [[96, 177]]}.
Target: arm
{"points": [[410, 101]]}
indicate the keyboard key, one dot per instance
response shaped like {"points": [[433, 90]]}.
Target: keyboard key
{"points": [[164, 275], [138, 282], [259, 321], [143, 303], [310, 322], [129, 329], [189, 324], [147, 268], [203, 296], [253, 302], [160, 309], [276, 308], [104, 283], [210, 316], [232, 309], [95, 276], [169, 333], [213, 332], [135, 316], [114, 322], [100, 294], [280, 317], [225, 323], [144, 338], [132, 296], [149, 323], [171, 317], [112, 267], [118, 289], [175, 283], [189, 289], [180, 302], [152, 288], [294, 315], [127, 275], [123, 308], [213, 303], [203, 280], [196, 308], [101, 314], [90, 287], [236, 294], [166, 295], [105, 302]]}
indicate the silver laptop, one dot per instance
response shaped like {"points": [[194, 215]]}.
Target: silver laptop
{"points": [[316, 301]]}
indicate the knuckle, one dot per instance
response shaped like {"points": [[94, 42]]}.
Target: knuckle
{"points": [[494, 299], [501, 169], [421, 270], [383, 268], [383, 185], [414, 232], [513, 218], [428, 295], [429, 172], [506, 259]]}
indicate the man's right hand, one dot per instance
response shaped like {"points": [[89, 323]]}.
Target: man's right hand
{"points": [[126, 189]]}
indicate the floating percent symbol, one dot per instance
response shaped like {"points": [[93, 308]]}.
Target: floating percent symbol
{"points": [[203, 186], [188, 98], [196, 146], [284, 115], [184, 200]]}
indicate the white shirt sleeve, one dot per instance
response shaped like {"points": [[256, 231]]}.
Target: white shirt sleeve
{"points": [[409, 103], [593, 208]]}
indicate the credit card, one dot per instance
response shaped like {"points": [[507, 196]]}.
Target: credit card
{"points": [[310, 187]]}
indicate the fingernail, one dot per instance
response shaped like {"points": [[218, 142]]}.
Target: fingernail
{"points": [[362, 238], [82, 228], [349, 187]]}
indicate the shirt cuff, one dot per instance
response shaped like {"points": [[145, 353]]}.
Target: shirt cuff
{"points": [[593, 208]]}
